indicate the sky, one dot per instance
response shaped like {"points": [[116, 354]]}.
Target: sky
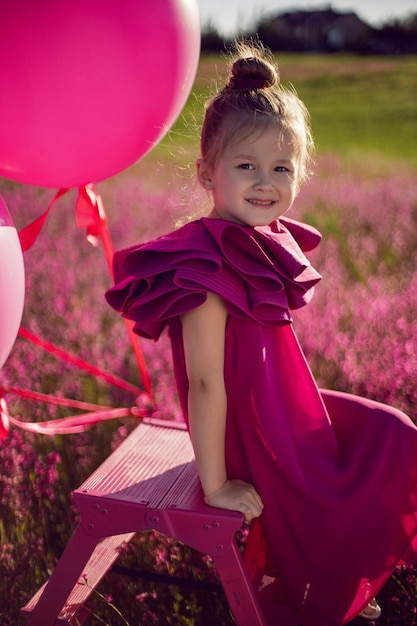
{"points": [[231, 16]]}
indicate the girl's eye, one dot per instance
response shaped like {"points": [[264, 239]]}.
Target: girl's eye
{"points": [[281, 168], [246, 166]]}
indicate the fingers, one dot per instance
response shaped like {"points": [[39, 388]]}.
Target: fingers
{"points": [[250, 512], [250, 503], [236, 495], [253, 499]]}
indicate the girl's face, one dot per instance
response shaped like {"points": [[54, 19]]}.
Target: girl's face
{"points": [[255, 180]]}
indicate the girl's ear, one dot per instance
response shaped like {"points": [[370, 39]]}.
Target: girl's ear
{"points": [[204, 174]]}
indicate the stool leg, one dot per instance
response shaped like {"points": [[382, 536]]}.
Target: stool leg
{"points": [[238, 588], [63, 579]]}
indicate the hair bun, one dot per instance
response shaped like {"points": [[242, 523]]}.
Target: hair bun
{"points": [[252, 73]]}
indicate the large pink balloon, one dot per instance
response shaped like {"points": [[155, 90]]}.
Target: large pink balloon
{"points": [[12, 283], [89, 86]]}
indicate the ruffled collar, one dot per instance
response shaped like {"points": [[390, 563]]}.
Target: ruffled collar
{"points": [[259, 272]]}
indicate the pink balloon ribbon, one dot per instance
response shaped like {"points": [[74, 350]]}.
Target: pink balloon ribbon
{"points": [[75, 423], [91, 215], [28, 394], [29, 234], [66, 425], [85, 214], [78, 362]]}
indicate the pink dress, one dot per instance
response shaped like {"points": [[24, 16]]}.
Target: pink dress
{"points": [[337, 474]]}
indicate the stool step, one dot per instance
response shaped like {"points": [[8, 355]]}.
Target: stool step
{"points": [[74, 612], [149, 451], [150, 482], [143, 470]]}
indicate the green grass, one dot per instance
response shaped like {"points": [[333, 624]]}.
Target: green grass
{"points": [[365, 113], [362, 108]]}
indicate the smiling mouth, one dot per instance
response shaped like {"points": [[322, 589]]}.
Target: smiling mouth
{"points": [[265, 203]]}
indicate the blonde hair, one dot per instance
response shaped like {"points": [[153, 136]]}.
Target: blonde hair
{"points": [[252, 96]]}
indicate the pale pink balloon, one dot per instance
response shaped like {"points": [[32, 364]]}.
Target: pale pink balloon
{"points": [[12, 283], [90, 86]]}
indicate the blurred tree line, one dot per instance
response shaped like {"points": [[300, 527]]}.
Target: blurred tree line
{"points": [[323, 31]]}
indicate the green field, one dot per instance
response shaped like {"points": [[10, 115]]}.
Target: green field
{"points": [[362, 108]]}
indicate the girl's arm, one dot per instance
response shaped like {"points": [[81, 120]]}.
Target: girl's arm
{"points": [[203, 337]]}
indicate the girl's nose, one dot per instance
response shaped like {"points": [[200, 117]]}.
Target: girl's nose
{"points": [[263, 181]]}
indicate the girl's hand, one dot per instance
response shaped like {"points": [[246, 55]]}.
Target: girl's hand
{"points": [[236, 495]]}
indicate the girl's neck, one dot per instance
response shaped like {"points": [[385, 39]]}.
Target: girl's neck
{"points": [[214, 215]]}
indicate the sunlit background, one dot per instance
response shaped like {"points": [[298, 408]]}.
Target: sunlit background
{"points": [[238, 15]]}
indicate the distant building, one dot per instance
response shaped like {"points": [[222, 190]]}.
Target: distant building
{"points": [[315, 31], [325, 31]]}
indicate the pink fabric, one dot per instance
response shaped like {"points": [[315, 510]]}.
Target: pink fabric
{"points": [[260, 273], [337, 473]]}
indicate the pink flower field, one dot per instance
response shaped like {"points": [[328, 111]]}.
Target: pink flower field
{"points": [[359, 334]]}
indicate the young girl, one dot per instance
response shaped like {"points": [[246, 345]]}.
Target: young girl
{"points": [[331, 500]]}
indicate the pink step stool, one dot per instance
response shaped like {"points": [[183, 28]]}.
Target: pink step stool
{"points": [[149, 482]]}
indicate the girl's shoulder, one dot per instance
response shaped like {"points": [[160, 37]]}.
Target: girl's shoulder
{"points": [[260, 273], [189, 241]]}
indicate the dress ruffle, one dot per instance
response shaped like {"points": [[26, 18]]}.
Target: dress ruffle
{"points": [[260, 273]]}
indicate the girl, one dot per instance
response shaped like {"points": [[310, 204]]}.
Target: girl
{"points": [[331, 501]]}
